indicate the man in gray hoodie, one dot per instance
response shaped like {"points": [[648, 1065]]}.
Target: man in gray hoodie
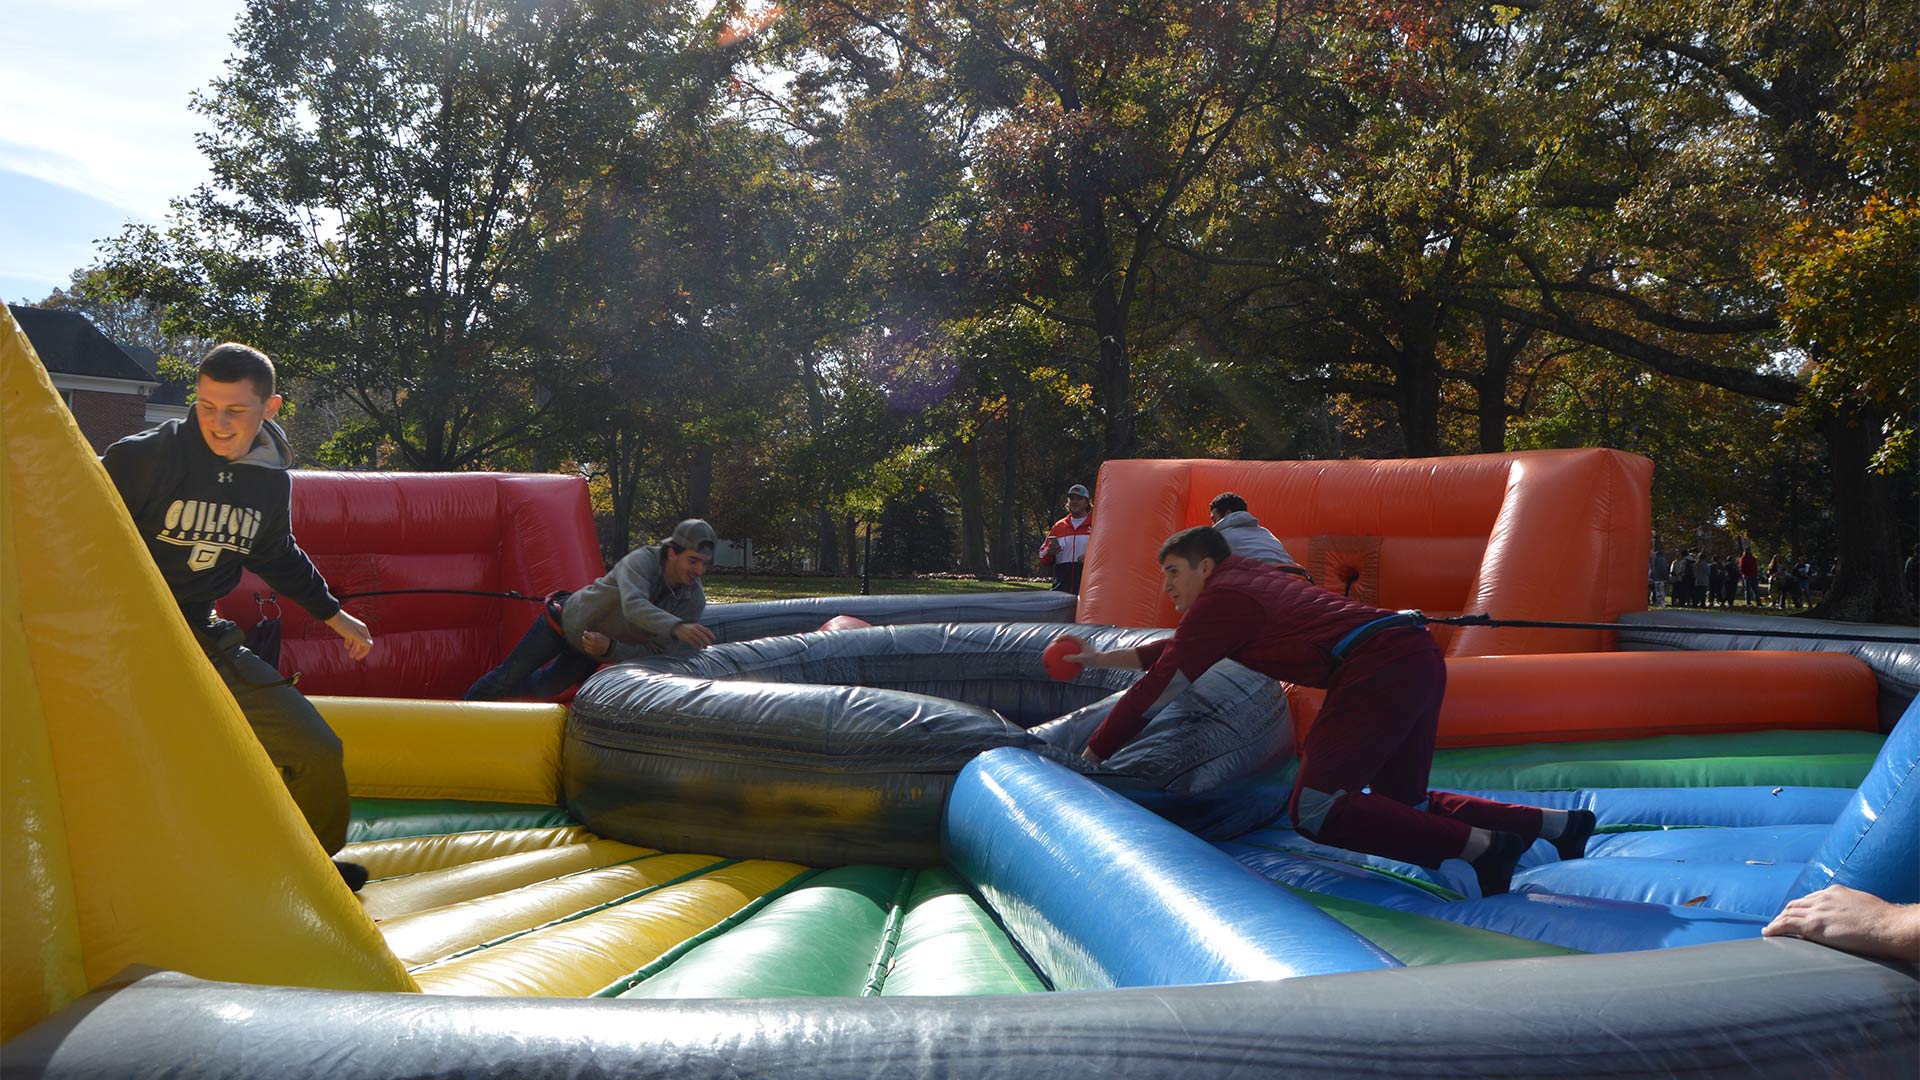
{"points": [[649, 603], [1246, 536]]}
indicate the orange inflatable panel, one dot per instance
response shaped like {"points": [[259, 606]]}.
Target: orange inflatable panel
{"points": [[1573, 697], [1544, 534]]}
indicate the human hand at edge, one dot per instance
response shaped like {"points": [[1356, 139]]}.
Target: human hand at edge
{"points": [[358, 639], [594, 643], [1858, 922], [692, 633]]}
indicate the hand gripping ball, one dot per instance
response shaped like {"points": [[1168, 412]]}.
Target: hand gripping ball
{"points": [[1055, 658]]}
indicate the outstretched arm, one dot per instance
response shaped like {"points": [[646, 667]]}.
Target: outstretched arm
{"points": [[1216, 627]]}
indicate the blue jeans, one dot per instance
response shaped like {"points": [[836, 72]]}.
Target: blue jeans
{"points": [[543, 665]]}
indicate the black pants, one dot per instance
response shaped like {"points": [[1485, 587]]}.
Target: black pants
{"points": [[1066, 577], [541, 666], [295, 736]]}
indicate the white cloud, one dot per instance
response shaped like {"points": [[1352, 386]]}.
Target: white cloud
{"points": [[95, 95]]}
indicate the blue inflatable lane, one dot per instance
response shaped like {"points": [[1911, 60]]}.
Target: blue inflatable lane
{"points": [[1875, 843], [1103, 894], [1749, 888], [1334, 878], [1722, 806], [1775, 845], [1597, 925]]}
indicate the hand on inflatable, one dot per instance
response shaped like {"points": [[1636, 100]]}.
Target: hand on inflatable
{"points": [[694, 634], [1064, 657], [358, 638], [1849, 919], [595, 643], [1091, 757]]}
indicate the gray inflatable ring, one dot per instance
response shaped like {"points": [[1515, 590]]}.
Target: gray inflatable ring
{"points": [[840, 747]]}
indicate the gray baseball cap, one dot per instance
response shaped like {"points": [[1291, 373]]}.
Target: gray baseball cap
{"points": [[1080, 490], [693, 534]]}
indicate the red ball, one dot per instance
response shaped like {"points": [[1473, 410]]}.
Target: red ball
{"points": [[1055, 658]]}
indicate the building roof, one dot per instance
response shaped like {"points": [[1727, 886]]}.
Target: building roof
{"points": [[70, 345], [168, 392]]}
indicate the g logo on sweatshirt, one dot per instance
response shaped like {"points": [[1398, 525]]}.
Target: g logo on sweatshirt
{"points": [[208, 528]]}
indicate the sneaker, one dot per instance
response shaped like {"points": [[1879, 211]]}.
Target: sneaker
{"points": [[352, 873], [1572, 841], [1495, 865]]}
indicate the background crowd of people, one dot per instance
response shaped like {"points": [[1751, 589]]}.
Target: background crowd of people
{"points": [[1691, 579]]}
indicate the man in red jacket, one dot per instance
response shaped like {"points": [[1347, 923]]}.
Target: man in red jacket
{"points": [[1363, 768], [1065, 548]]}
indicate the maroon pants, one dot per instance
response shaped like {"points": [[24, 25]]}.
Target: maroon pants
{"points": [[1377, 731]]}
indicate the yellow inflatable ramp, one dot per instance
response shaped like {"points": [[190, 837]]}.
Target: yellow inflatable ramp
{"points": [[142, 822], [422, 937], [578, 957], [437, 888]]}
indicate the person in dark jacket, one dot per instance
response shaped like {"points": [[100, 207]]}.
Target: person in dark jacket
{"points": [[210, 496], [1364, 764], [649, 603]]}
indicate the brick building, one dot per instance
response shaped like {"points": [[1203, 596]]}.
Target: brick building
{"points": [[113, 391]]}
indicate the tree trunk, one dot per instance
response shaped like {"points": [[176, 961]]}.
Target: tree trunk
{"points": [[826, 542], [1496, 371], [700, 480], [1418, 378], [1868, 586], [623, 486], [973, 532], [1113, 380], [1005, 556], [848, 526], [826, 545]]}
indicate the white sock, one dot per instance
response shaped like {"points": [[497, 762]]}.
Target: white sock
{"points": [[1477, 843], [1552, 824]]}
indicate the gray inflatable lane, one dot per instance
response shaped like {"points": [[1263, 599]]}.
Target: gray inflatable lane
{"points": [[840, 747], [1895, 659], [774, 618], [1765, 1008]]}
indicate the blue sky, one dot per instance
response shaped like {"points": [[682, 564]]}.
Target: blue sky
{"points": [[95, 128]]}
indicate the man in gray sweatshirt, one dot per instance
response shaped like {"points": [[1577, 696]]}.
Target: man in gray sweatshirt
{"points": [[1246, 536], [649, 603]]}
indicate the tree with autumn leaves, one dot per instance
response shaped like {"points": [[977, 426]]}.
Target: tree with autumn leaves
{"points": [[894, 251]]}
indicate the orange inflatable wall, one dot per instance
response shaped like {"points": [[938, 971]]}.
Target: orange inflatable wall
{"points": [[1544, 534], [1502, 700]]}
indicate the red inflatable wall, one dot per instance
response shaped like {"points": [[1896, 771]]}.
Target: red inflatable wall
{"points": [[1546, 534], [376, 531]]}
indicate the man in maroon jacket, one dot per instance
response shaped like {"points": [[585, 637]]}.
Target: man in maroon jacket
{"points": [[1363, 768]]}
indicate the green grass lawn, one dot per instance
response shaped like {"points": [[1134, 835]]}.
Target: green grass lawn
{"points": [[723, 587], [1739, 608]]}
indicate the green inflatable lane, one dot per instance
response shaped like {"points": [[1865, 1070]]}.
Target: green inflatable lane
{"points": [[392, 819], [1799, 758], [822, 939], [949, 945], [1416, 940]]}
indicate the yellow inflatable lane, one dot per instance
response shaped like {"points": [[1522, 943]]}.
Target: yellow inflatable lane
{"points": [[438, 888], [580, 956], [418, 854], [146, 821], [425, 936]]}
